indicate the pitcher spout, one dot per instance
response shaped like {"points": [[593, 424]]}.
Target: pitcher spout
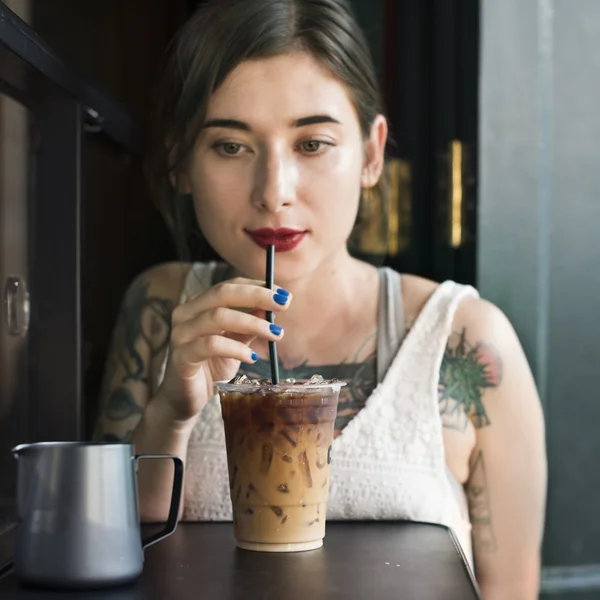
{"points": [[20, 449]]}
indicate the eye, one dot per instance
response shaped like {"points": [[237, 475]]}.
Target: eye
{"points": [[229, 148], [313, 146]]}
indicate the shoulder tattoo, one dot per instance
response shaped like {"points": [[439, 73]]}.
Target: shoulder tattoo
{"points": [[466, 372]]}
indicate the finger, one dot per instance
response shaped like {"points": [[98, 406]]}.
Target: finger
{"points": [[247, 339], [244, 339], [260, 314], [187, 358], [240, 280], [217, 321], [237, 293]]}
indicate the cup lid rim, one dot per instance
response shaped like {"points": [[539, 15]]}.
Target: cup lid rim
{"points": [[281, 386]]}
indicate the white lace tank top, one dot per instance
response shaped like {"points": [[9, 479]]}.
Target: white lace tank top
{"points": [[388, 462]]}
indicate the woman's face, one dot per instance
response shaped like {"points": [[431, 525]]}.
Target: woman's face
{"points": [[281, 159]]}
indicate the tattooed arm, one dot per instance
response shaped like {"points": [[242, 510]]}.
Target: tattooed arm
{"points": [[137, 348], [137, 351], [485, 372]]}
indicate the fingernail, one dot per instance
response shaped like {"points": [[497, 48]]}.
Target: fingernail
{"points": [[280, 299], [254, 356], [275, 329], [282, 292]]}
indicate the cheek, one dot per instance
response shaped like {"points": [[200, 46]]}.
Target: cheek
{"points": [[334, 186], [219, 188]]}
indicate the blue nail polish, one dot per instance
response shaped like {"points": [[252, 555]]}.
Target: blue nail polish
{"points": [[254, 356], [282, 292], [275, 329], [280, 299]]}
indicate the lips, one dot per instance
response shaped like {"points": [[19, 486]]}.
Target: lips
{"points": [[283, 238]]}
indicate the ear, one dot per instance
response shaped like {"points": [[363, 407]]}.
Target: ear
{"points": [[180, 182], [375, 152]]}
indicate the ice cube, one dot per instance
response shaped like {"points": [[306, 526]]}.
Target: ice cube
{"points": [[290, 380], [266, 458], [305, 467], [240, 379], [315, 379], [287, 435]]}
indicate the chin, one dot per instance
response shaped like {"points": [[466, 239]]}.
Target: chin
{"points": [[250, 259], [289, 266]]}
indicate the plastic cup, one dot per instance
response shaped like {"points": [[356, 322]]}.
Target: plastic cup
{"points": [[279, 440]]}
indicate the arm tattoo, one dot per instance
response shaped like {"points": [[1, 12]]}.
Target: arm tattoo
{"points": [[143, 320], [484, 538], [121, 405], [466, 372], [146, 318]]}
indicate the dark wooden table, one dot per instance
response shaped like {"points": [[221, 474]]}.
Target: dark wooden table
{"points": [[374, 561]]}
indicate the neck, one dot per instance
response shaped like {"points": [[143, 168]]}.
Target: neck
{"points": [[324, 300]]}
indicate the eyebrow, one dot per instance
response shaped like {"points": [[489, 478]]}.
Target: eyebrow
{"points": [[315, 120], [227, 124], [235, 124]]}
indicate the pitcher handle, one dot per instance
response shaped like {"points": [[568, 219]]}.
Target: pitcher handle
{"points": [[175, 499]]}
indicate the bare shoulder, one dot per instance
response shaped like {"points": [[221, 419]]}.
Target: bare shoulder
{"points": [[484, 320], [416, 291], [484, 339], [481, 344], [479, 318], [476, 314]]}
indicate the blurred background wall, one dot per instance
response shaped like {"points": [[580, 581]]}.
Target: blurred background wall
{"points": [[539, 248]]}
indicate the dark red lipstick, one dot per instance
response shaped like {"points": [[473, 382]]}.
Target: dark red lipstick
{"points": [[283, 238]]}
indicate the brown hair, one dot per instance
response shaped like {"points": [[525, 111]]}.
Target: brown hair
{"points": [[219, 36]]}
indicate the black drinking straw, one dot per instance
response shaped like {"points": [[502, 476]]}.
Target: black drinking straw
{"points": [[270, 284]]}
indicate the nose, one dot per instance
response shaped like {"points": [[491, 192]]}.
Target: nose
{"points": [[275, 181]]}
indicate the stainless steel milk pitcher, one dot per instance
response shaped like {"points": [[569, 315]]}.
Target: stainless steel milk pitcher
{"points": [[78, 514]]}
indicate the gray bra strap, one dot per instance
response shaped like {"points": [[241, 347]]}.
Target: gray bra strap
{"points": [[391, 327]]}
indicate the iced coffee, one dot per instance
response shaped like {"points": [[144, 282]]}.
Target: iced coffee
{"points": [[279, 441]]}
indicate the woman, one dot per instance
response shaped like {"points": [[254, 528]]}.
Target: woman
{"points": [[272, 123]]}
